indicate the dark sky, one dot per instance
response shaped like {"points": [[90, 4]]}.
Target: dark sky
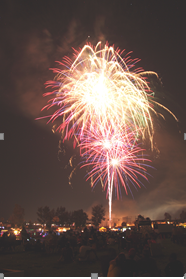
{"points": [[35, 34]]}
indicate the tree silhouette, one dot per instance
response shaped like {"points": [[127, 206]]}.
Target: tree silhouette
{"points": [[69, 218], [98, 214], [167, 216], [55, 220], [62, 214], [183, 216], [141, 218], [79, 217], [17, 218], [45, 215]]}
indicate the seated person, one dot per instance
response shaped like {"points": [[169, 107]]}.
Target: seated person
{"points": [[147, 265], [105, 261], [67, 254], [131, 269], [87, 253], [116, 267]]}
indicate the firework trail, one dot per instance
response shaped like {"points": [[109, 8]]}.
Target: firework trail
{"points": [[114, 160], [69, 160]]}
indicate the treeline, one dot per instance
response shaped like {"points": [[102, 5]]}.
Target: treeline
{"points": [[61, 216]]}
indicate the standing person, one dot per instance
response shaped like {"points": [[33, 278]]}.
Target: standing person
{"points": [[24, 234], [25, 238], [175, 267], [4, 241], [12, 241]]}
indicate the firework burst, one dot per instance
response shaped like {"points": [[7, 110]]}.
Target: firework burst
{"points": [[115, 160], [106, 104], [99, 86]]}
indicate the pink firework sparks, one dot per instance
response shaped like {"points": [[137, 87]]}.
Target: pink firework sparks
{"points": [[114, 159]]}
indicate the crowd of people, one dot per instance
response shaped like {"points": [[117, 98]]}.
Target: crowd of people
{"points": [[126, 254], [123, 254]]}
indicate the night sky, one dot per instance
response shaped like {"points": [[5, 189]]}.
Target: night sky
{"points": [[35, 34]]}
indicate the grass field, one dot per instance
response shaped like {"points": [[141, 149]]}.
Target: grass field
{"points": [[36, 265]]}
